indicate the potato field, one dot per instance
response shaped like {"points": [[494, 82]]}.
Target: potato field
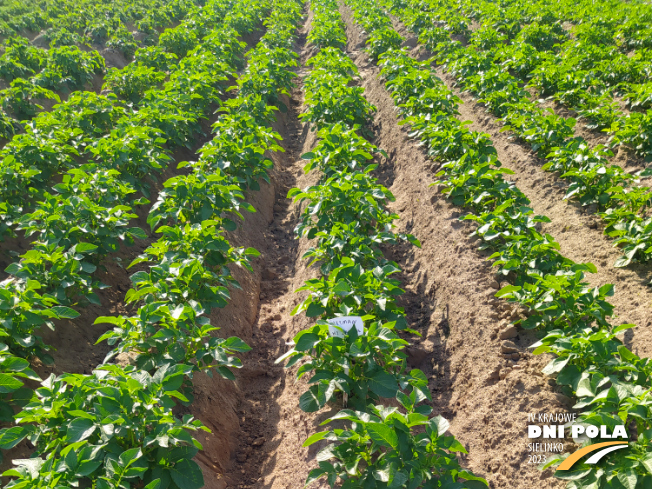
{"points": [[353, 244]]}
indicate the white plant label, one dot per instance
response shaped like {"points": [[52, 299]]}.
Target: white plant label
{"points": [[346, 323]]}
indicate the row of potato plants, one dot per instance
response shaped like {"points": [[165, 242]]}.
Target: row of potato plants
{"points": [[117, 427], [36, 75], [67, 22], [188, 272], [345, 214], [616, 194], [610, 382], [88, 214], [140, 105], [584, 69], [65, 67], [113, 153], [625, 25]]}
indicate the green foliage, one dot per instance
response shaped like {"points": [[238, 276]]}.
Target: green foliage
{"points": [[123, 41], [86, 208], [198, 197], [640, 96], [241, 144], [13, 373], [136, 151], [636, 131], [66, 273], [155, 57], [184, 279], [20, 98], [84, 113], [62, 37], [20, 59], [178, 41], [273, 75], [329, 31], [381, 41], [8, 128], [384, 448], [480, 69], [330, 98], [223, 44], [365, 367], [114, 427], [542, 37], [97, 32], [23, 310], [483, 38], [160, 336], [69, 66]]}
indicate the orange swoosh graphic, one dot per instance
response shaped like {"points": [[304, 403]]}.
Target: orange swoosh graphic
{"points": [[568, 463]]}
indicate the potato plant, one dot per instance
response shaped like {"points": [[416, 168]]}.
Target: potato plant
{"points": [[20, 59], [114, 428], [365, 367], [131, 82], [21, 97], [385, 448]]}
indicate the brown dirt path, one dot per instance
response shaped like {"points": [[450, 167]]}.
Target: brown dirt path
{"points": [[269, 452]]}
